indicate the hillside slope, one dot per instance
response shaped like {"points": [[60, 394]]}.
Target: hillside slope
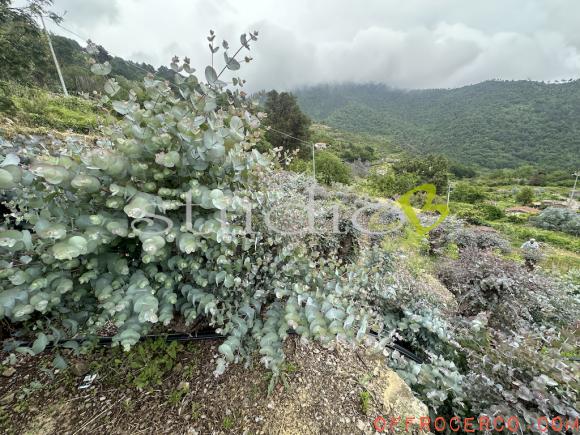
{"points": [[492, 124]]}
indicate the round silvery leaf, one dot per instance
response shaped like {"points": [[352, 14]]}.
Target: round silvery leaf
{"points": [[211, 140], [237, 127], [112, 87], [169, 160], [118, 227], [6, 179], [86, 183], [210, 74], [218, 199], [153, 244], [210, 104], [216, 153], [10, 238], [232, 64], [51, 173], [15, 171], [70, 248], [10, 159], [40, 343], [121, 107], [140, 206], [101, 69], [22, 310], [51, 231], [187, 243]]}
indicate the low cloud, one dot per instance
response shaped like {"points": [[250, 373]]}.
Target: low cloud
{"points": [[409, 44]]}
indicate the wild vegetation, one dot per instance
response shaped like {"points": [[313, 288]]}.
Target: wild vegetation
{"points": [[187, 208]]}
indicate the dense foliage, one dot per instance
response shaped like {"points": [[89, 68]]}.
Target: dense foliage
{"points": [[288, 125], [558, 219], [407, 173], [525, 195], [467, 192], [99, 237], [329, 168], [494, 124]]}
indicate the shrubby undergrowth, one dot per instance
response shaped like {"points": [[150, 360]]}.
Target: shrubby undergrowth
{"points": [[104, 237], [170, 217], [558, 219]]}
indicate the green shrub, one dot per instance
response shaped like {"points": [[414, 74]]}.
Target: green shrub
{"points": [[390, 185], [518, 219], [525, 196], [330, 169], [558, 219], [491, 212], [468, 213], [301, 166], [467, 192]]}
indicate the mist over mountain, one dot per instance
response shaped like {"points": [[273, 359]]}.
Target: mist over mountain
{"points": [[493, 124]]}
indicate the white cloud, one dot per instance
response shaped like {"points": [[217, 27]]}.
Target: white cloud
{"points": [[404, 43]]}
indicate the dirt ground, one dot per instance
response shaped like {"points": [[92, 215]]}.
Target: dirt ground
{"points": [[161, 388]]}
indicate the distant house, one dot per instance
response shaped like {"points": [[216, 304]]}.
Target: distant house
{"points": [[553, 203], [522, 209]]}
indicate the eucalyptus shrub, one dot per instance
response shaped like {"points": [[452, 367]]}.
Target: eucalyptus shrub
{"points": [[164, 218]]}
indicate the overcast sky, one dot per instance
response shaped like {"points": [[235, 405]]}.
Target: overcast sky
{"points": [[402, 43]]}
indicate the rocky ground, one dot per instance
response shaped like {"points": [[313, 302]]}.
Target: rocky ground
{"points": [[160, 388]]}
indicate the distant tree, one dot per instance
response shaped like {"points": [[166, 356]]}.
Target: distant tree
{"points": [[538, 179], [467, 192], [462, 171], [330, 169], [525, 196], [284, 115], [24, 55], [390, 185], [429, 169]]}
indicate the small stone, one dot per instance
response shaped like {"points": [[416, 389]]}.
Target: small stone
{"points": [[361, 425], [8, 371], [102, 398], [80, 368], [9, 398]]}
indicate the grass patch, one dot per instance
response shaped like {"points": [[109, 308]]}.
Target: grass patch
{"points": [[36, 107], [521, 233], [365, 401]]}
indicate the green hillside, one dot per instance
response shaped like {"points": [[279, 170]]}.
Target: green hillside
{"points": [[493, 124]]}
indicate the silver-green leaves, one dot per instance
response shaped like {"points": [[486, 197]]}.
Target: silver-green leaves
{"points": [[70, 248], [101, 69]]}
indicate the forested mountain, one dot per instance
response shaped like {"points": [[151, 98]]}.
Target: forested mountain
{"points": [[493, 124]]}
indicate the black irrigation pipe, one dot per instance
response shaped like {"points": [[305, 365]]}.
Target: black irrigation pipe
{"points": [[210, 334]]}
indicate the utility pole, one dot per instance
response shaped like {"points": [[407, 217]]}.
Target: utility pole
{"points": [[316, 146], [572, 194], [313, 164], [448, 190], [54, 56]]}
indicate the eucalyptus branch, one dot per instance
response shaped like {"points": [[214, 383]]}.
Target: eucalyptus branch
{"points": [[233, 57]]}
